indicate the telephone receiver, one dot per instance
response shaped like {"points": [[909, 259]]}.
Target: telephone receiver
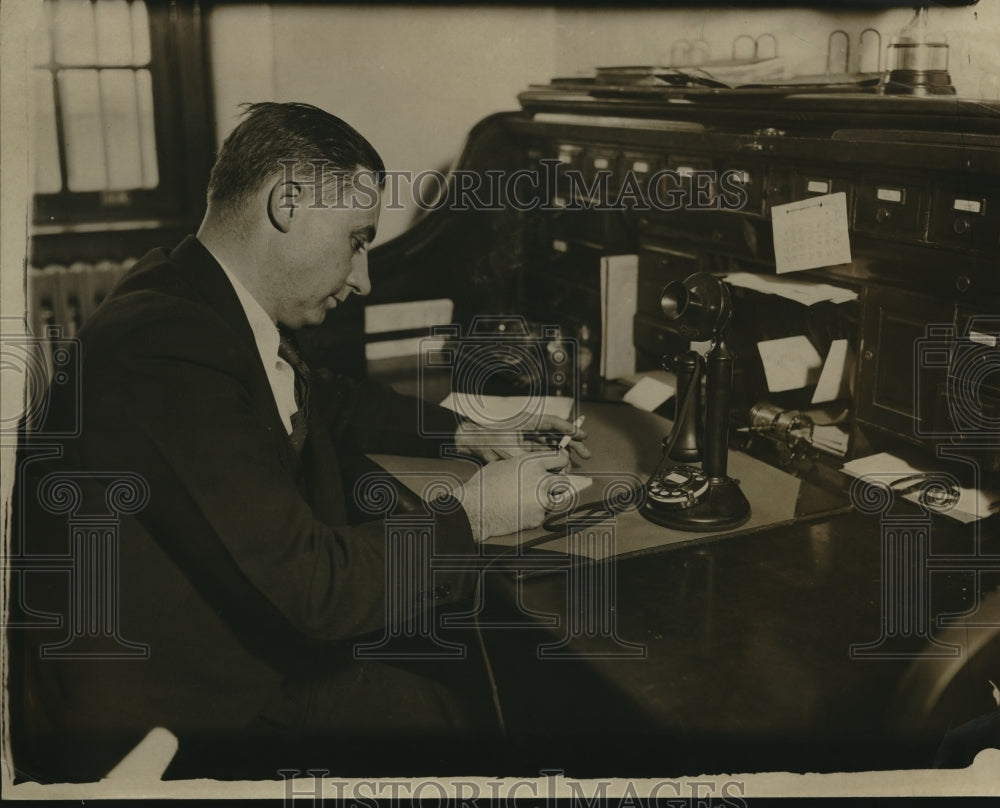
{"points": [[681, 495], [683, 444]]}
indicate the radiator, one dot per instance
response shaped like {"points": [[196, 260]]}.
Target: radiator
{"points": [[61, 298]]}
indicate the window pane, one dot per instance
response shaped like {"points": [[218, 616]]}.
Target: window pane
{"points": [[43, 36], [140, 33], [121, 128], [81, 104], [114, 32], [144, 88], [73, 32], [47, 177]]}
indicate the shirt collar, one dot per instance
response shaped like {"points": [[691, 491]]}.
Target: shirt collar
{"points": [[265, 332]]}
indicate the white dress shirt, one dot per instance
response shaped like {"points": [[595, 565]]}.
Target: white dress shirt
{"points": [[265, 333]]}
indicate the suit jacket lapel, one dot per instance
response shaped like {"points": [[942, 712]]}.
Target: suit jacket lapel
{"points": [[202, 273]]}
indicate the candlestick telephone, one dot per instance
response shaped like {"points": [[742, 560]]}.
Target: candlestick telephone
{"points": [[681, 495]]}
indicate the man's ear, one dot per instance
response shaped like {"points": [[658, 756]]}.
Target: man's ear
{"points": [[283, 202]]}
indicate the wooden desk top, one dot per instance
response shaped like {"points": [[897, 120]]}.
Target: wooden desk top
{"points": [[625, 447]]}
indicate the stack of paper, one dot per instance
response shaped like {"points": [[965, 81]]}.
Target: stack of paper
{"points": [[807, 293]]}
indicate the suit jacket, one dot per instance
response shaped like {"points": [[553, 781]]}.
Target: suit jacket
{"points": [[241, 575]]}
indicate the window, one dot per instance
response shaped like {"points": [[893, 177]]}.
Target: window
{"points": [[123, 133]]}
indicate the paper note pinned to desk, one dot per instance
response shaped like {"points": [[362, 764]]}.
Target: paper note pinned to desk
{"points": [[811, 233], [512, 412], [790, 363]]}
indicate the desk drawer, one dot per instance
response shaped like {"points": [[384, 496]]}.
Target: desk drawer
{"points": [[966, 217], [890, 207], [810, 182]]}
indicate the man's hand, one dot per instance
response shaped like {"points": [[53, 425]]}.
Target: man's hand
{"points": [[513, 494], [490, 444], [552, 429]]}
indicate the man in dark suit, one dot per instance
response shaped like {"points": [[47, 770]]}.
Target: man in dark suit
{"points": [[232, 587]]}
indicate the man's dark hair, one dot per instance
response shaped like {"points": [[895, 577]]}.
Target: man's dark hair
{"points": [[273, 136]]}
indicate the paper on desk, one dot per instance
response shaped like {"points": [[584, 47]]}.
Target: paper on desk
{"points": [[885, 468], [831, 438], [508, 412], [619, 282], [811, 233], [649, 393], [789, 363], [834, 378], [807, 293]]}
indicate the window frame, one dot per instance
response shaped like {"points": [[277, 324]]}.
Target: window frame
{"points": [[184, 132]]}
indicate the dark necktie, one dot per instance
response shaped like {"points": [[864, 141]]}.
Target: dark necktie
{"points": [[289, 351]]}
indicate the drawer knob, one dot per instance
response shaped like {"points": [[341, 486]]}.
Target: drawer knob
{"points": [[961, 225], [882, 214], [868, 355], [962, 283]]}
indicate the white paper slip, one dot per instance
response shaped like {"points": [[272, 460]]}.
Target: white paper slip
{"points": [[790, 363], [508, 412], [649, 393], [835, 377], [966, 505], [619, 282], [811, 233]]}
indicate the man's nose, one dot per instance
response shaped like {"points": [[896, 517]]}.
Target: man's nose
{"points": [[358, 280]]}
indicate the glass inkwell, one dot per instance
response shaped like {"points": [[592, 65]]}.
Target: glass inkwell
{"points": [[918, 61]]}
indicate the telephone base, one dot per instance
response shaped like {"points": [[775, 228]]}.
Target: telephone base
{"points": [[722, 506]]}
